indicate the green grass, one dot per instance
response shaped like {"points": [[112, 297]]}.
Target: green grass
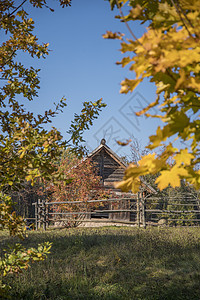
{"points": [[113, 263]]}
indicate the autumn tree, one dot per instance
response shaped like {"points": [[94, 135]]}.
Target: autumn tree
{"points": [[84, 185], [27, 148], [168, 54]]}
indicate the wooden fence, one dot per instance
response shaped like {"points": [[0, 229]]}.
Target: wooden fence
{"points": [[136, 210]]}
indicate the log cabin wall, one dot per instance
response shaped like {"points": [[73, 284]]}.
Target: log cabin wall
{"points": [[108, 169], [111, 169]]}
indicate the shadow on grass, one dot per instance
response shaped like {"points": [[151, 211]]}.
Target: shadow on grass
{"points": [[114, 263]]}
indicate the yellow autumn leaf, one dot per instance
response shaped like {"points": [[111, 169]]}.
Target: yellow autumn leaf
{"points": [[29, 178], [136, 185], [126, 47], [125, 61], [161, 136], [168, 53], [139, 113], [194, 83], [181, 79], [113, 35], [135, 171], [149, 162], [178, 121], [128, 85], [124, 185], [22, 154], [130, 184], [122, 1], [171, 177], [125, 143], [190, 4], [135, 12], [183, 157], [161, 87]]}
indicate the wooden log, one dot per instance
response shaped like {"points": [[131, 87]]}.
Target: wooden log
{"points": [[97, 221], [90, 201], [39, 214], [138, 210], [171, 198], [189, 220], [44, 215], [143, 211], [47, 215], [36, 216], [171, 211], [93, 212]]}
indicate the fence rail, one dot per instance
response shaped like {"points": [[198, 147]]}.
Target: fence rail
{"points": [[89, 201], [136, 210]]}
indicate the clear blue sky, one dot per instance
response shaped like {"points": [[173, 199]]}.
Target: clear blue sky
{"points": [[81, 67]]}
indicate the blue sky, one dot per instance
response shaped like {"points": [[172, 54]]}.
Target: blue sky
{"points": [[81, 67]]}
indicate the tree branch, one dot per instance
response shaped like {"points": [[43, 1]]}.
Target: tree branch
{"points": [[128, 27], [179, 13], [16, 8]]}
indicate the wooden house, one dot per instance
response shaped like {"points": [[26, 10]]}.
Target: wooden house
{"points": [[110, 168]]}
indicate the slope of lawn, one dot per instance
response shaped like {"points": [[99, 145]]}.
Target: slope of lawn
{"points": [[113, 263]]}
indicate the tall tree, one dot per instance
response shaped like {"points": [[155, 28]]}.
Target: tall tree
{"points": [[168, 53], [27, 149]]}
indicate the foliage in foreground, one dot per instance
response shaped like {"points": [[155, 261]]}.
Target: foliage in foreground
{"points": [[113, 263], [27, 148], [168, 53], [17, 258]]}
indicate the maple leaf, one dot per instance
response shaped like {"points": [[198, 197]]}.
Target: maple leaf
{"points": [[168, 54], [124, 143], [183, 158], [171, 177]]}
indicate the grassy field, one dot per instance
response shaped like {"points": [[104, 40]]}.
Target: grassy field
{"points": [[113, 263]]}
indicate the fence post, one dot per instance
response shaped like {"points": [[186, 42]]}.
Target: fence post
{"points": [[86, 210], [138, 210], [39, 214], [44, 214], [47, 215], [143, 211], [36, 215]]}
